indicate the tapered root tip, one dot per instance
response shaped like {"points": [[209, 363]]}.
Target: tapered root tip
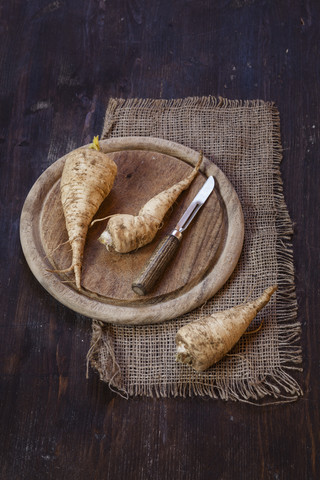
{"points": [[274, 288], [262, 301], [270, 290], [197, 165], [77, 274]]}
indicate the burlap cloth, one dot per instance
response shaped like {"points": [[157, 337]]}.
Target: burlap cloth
{"points": [[243, 139]]}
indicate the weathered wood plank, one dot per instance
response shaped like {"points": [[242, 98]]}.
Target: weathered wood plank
{"points": [[60, 62]]}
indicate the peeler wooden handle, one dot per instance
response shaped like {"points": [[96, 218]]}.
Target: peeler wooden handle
{"points": [[168, 247], [157, 263]]}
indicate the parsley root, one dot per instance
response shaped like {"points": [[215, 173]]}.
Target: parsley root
{"points": [[125, 233], [204, 342], [86, 180]]}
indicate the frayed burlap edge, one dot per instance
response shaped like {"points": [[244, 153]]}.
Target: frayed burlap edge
{"points": [[279, 383], [154, 104]]}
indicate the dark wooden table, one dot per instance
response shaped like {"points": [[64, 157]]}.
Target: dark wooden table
{"points": [[60, 63]]}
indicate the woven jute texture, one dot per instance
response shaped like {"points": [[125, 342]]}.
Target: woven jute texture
{"points": [[243, 139]]}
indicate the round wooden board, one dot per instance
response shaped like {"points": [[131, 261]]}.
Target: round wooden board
{"points": [[206, 257]]}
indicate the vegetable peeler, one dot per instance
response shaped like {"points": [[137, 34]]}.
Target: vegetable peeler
{"points": [[166, 249]]}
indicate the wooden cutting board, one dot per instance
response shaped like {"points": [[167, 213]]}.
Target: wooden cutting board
{"points": [[206, 257]]}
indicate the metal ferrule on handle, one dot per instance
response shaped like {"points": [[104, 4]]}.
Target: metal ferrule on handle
{"points": [[176, 233]]}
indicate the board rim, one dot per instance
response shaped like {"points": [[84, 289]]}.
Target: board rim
{"points": [[148, 313]]}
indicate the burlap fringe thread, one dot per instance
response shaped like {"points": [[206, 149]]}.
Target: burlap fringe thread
{"points": [[279, 380]]}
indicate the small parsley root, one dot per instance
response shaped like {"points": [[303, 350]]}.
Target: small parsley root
{"points": [[87, 178], [125, 233], [204, 342]]}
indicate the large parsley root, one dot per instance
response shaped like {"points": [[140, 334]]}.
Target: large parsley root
{"points": [[125, 233], [202, 343], [86, 180]]}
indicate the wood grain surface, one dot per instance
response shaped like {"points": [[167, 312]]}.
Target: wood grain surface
{"points": [[60, 63], [206, 259]]}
